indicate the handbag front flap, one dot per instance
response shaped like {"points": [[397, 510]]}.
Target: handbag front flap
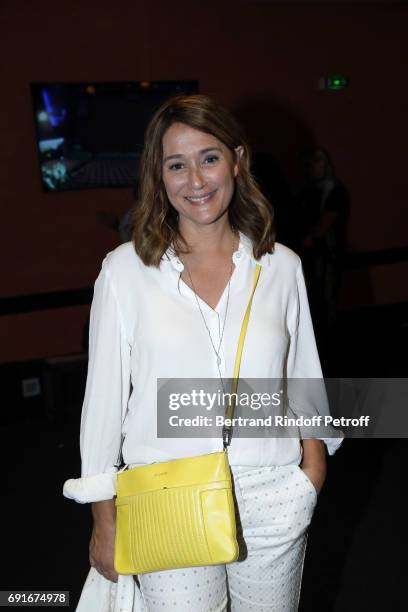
{"points": [[199, 470]]}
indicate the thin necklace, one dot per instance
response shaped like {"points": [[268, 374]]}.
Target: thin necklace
{"points": [[217, 352]]}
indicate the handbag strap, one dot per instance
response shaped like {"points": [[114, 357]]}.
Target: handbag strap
{"points": [[229, 413]]}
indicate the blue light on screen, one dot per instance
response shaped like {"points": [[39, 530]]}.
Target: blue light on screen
{"points": [[56, 116], [50, 145]]}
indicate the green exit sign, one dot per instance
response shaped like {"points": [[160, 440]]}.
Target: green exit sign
{"points": [[334, 82]]}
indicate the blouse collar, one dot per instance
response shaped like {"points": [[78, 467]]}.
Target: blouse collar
{"points": [[244, 249]]}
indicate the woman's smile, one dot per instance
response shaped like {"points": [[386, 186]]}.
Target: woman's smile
{"points": [[201, 199]]}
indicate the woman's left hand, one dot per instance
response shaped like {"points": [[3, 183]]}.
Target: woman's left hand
{"points": [[316, 475], [314, 462]]}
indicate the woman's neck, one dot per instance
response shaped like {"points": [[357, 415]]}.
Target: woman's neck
{"points": [[208, 240]]}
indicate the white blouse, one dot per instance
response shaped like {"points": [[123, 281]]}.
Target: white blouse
{"points": [[145, 324]]}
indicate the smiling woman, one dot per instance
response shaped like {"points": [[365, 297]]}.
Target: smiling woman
{"points": [[174, 304], [194, 147], [200, 181]]}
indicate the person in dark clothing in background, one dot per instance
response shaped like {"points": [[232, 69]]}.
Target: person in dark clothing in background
{"points": [[323, 206]]}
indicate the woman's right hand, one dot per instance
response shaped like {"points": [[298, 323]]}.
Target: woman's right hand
{"points": [[102, 544]]}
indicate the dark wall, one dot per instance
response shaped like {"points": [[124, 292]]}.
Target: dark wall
{"points": [[263, 60]]}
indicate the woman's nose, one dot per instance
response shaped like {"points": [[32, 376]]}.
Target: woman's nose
{"points": [[196, 178]]}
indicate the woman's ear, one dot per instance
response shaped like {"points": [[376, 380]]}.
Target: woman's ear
{"points": [[239, 152]]}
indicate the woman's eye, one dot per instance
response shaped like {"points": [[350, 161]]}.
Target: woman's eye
{"points": [[211, 159], [176, 166]]}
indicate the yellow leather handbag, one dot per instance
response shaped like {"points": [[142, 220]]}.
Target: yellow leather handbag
{"points": [[179, 513]]}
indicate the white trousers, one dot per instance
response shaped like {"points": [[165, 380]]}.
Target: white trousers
{"points": [[275, 507]]}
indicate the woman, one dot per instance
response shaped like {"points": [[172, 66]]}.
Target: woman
{"points": [[171, 306]]}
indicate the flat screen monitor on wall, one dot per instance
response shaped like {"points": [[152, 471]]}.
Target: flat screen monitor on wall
{"points": [[90, 135]]}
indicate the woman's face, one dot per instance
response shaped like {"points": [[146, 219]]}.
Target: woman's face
{"points": [[198, 173]]}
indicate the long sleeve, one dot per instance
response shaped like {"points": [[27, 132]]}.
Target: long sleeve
{"points": [[106, 396], [306, 389]]}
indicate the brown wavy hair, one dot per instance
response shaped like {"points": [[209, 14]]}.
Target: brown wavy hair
{"points": [[155, 221]]}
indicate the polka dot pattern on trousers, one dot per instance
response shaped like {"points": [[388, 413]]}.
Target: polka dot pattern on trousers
{"points": [[274, 509]]}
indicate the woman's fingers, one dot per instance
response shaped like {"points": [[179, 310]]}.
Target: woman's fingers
{"points": [[316, 476], [101, 552], [105, 570], [108, 574]]}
